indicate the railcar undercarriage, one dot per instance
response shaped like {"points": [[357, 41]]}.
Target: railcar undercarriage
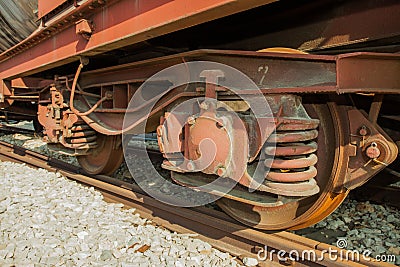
{"points": [[314, 146], [289, 135]]}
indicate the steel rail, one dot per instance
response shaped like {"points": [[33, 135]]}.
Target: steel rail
{"points": [[13, 129], [212, 226]]}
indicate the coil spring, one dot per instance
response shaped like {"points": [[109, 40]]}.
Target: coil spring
{"points": [[293, 158], [81, 137]]}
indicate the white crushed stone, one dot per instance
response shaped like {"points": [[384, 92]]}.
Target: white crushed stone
{"points": [[47, 220], [250, 261]]}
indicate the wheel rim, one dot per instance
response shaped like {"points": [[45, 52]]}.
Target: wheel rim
{"points": [[106, 158], [303, 213]]}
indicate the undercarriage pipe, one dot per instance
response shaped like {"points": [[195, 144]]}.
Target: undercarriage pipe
{"points": [[72, 95]]}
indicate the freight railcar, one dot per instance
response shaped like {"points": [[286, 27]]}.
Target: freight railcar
{"points": [[282, 98]]}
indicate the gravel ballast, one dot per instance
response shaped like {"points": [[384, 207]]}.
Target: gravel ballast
{"points": [[47, 220]]}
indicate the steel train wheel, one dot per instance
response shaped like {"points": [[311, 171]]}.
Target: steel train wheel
{"points": [[303, 213], [105, 158]]}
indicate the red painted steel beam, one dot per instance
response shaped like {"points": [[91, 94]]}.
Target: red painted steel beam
{"points": [[46, 6], [360, 72], [117, 24]]}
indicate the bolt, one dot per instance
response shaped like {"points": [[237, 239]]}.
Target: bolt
{"points": [[109, 95], [191, 120], [84, 60], [190, 165], [219, 124], [363, 131], [204, 105], [373, 151], [221, 170]]}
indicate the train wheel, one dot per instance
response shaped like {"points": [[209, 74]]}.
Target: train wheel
{"points": [[105, 158], [299, 214]]}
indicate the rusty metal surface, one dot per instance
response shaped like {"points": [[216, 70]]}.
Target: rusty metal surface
{"points": [[17, 21], [60, 37], [357, 72], [211, 226], [301, 70], [378, 72], [46, 6], [374, 150], [332, 167], [226, 151], [347, 73], [352, 22], [295, 178], [137, 21], [322, 26], [288, 73]]}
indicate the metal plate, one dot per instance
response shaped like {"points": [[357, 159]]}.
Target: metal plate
{"points": [[46, 6]]}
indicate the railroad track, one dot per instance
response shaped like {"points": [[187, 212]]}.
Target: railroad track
{"points": [[12, 129], [212, 226]]}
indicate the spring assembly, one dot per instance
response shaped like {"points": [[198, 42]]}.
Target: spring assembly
{"points": [[81, 136], [293, 157]]}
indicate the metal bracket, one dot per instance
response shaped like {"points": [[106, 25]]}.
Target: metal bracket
{"points": [[84, 27], [375, 108], [212, 77], [5, 91], [375, 150]]}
